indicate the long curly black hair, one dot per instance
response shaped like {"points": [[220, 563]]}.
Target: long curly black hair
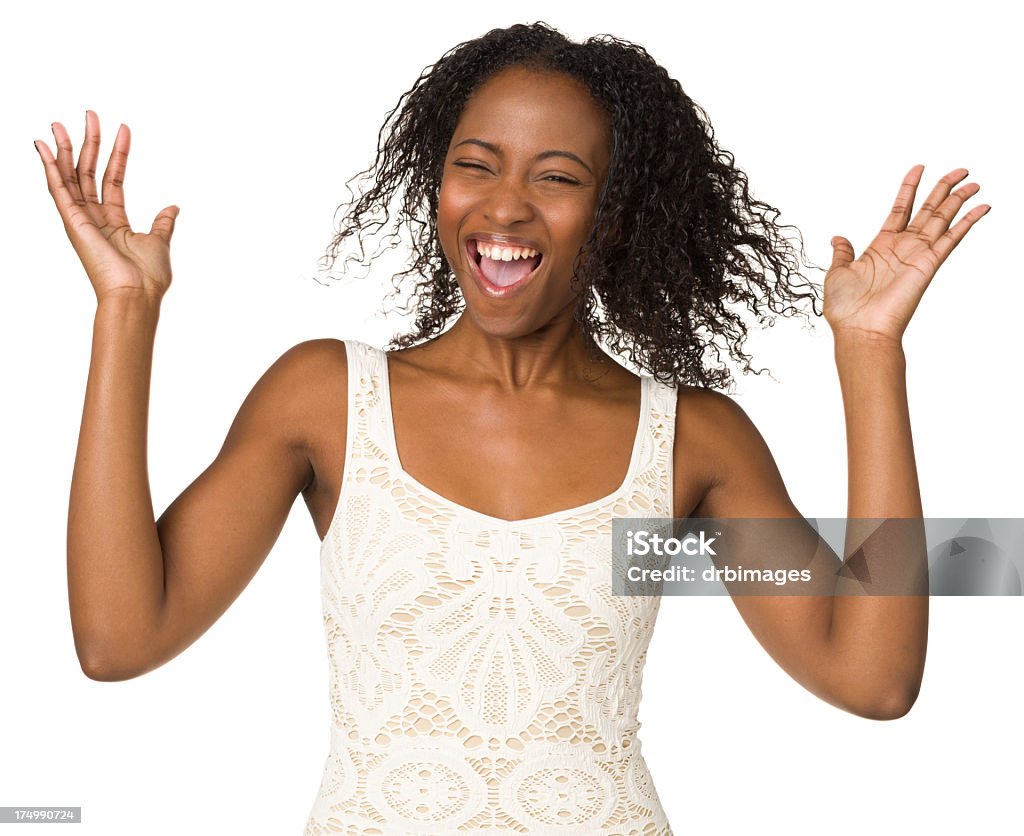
{"points": [[677, 237]]}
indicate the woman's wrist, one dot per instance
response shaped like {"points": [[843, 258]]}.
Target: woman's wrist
{"points": [[860, 347], [129, 304]]}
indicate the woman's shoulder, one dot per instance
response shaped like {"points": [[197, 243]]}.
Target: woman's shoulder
{"points": [[311, 359], [710, 422], [705, 404], [303, 383], [715, 444], [324, 349]]}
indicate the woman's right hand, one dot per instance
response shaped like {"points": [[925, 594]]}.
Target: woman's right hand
{"points": [[119, 262]]}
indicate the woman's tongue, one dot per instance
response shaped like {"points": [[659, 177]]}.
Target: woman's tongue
{"points": [[506, 273]]}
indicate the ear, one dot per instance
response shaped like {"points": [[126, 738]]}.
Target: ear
{"points": [[615, 233]]}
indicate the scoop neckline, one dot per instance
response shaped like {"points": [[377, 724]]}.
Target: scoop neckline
{"points": [[396, 461]]}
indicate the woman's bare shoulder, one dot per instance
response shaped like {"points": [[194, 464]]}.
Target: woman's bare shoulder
{"points": [[712, 435], [725, 457], [702, 410], [712, 424], [305, 389], [314, 363], [325, 350]]}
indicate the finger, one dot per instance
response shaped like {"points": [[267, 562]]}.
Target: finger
{"points": [[80, 227], [904, 203], [113, 179], [163, 225], [87, 159], [842, 252], [935, 199], [66, 161], [945, 245], [62, 197], [944, 215]]}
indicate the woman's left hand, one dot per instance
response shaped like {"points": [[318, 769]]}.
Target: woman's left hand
{"points": [[876, 294]]}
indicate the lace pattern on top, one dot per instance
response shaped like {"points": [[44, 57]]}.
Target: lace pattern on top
{"points": [[483, 677]]}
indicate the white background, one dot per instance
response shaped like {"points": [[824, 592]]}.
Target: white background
{"points": [[250, 118]]}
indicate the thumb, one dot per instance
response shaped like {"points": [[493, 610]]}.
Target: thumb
{"points": [[163, 224], [842, 251]]}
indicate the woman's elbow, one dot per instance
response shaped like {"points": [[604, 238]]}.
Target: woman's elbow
{"points": [[897, 703]]}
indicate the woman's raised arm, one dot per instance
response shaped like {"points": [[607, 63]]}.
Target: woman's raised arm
{"points": [[142, 591], [864, 653]]}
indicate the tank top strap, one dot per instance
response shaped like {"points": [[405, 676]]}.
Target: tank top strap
{"points": [[655, 477], [367, 433]]}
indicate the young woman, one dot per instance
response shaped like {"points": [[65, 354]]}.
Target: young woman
{"points": [[484, 676]]}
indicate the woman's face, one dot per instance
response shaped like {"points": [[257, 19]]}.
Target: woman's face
{"points": [[524, 169]]}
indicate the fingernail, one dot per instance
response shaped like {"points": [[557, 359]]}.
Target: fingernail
{"points": [[35, 144]]}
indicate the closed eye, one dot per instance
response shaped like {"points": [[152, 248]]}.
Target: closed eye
{"points": [[479, 166], [557, 178]]}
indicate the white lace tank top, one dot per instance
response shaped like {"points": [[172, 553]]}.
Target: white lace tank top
{"points": [[483, 677]]}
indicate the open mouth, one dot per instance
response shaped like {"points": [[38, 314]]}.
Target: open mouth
{"points": [[503, 267]]}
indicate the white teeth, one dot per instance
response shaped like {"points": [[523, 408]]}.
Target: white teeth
{"points": [[497, 253]]}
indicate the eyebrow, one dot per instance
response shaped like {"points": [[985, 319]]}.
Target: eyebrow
{"points": [[543, 155]]}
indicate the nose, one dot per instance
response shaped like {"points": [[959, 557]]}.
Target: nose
{"points": [[507, 203]]}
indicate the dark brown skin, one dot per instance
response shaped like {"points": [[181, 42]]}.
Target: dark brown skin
{"points": [[507, 390]]}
